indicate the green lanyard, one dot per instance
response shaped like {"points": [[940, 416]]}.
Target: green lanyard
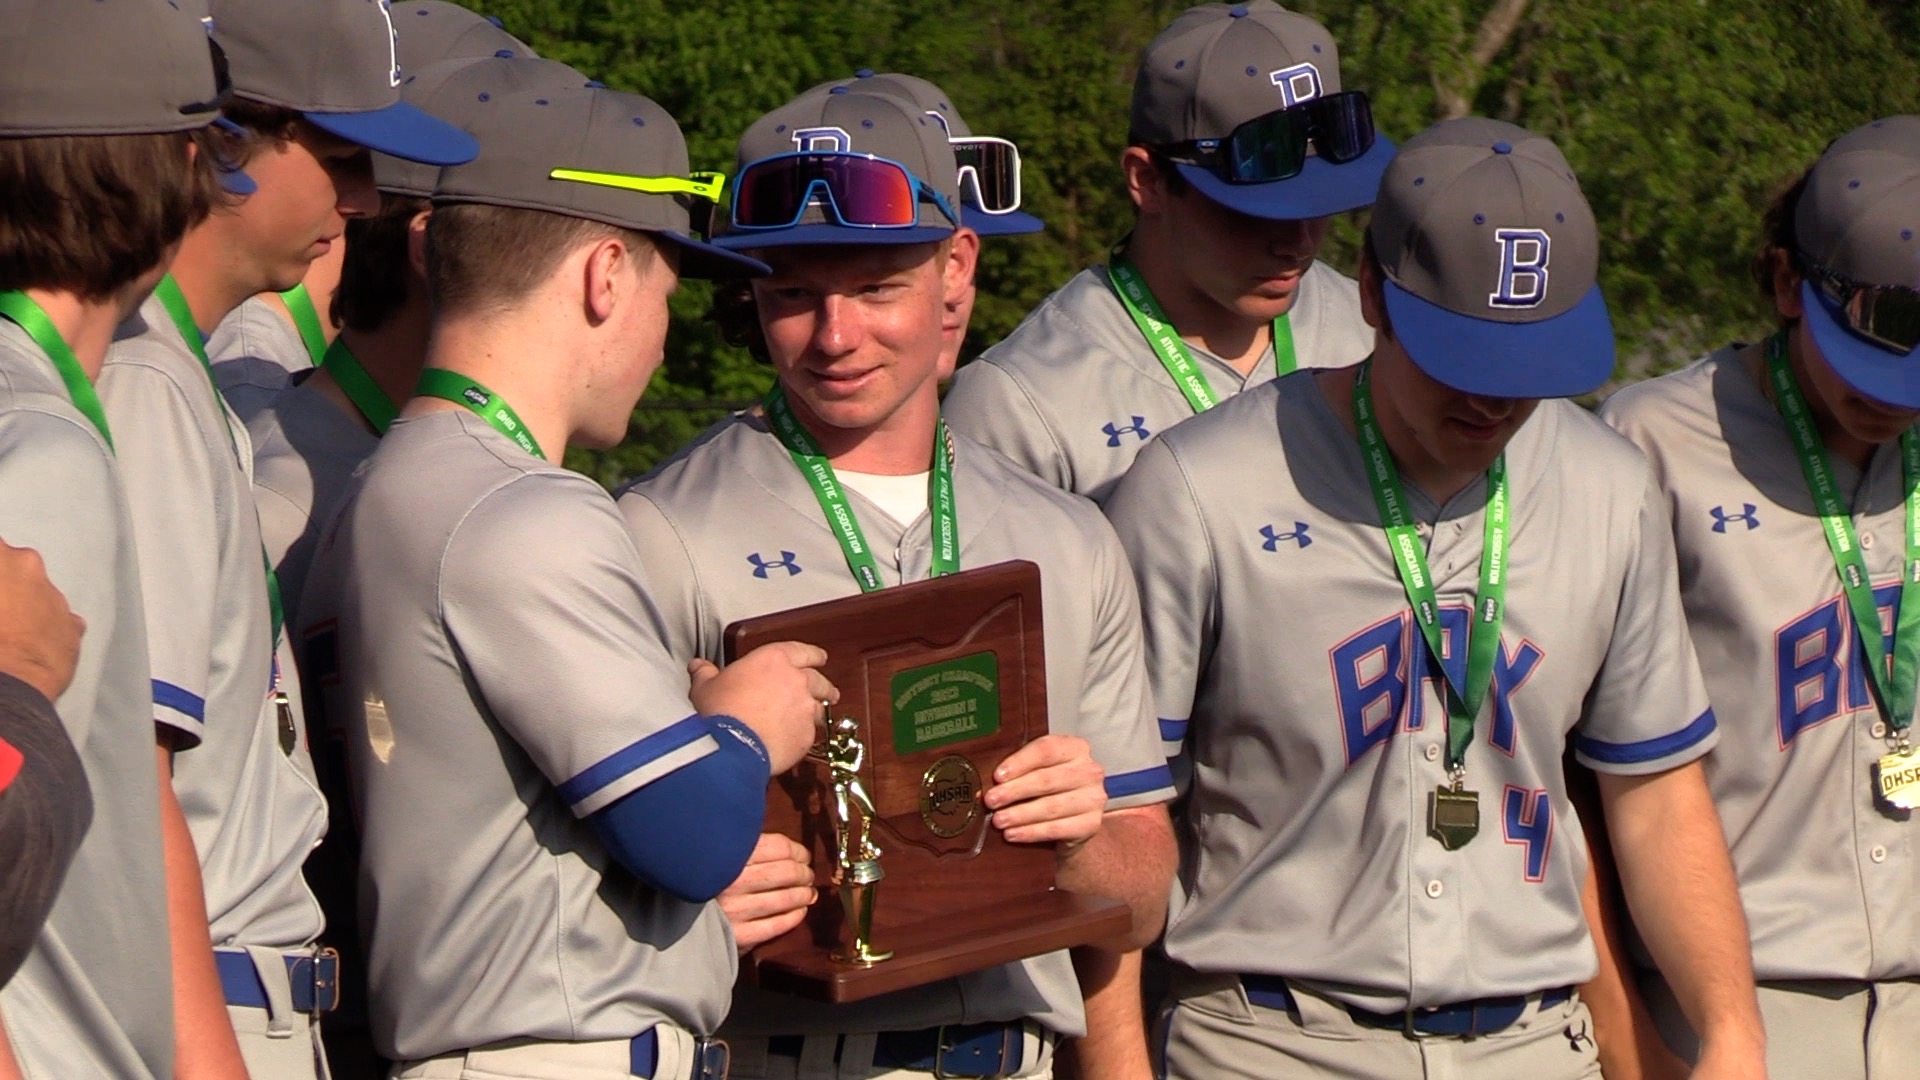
{"points": [[1894, 689], [353, 380], [1174, 355], [1489, 608], [833, 500], [176, 304], [32, 318], [300, 306], [482, 402]]}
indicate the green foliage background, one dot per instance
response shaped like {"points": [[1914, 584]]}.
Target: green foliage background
{"points": [[1682, 118]]}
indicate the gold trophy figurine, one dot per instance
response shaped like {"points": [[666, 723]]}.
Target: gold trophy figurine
{"points": [[857, 873]]}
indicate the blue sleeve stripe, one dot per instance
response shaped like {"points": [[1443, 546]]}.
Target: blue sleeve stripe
{"points": [[1172, 730], [635, 756], [1126, 785], [168, 696], [1635, 753]]}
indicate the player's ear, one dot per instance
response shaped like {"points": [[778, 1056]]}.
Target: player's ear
{"points": [[1145, 184], [607, 259], [1786, 286], [1373, 297], [417, 243], [962, 257]]}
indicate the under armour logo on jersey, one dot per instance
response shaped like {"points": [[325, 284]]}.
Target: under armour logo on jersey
{"points": [[1274, 539], [1114, 431], [393, 43], [829, 140], [1298, 83], [1523, 268], [1722, 519], [761, 565]]}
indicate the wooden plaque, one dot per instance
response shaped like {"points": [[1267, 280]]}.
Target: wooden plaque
{"points": [[945, 678]]}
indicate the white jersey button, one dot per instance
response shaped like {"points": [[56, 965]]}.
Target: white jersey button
{"points": [[1434, 888], [1878, 854], [1878, 730], [1866, 541], [1433, 752]]}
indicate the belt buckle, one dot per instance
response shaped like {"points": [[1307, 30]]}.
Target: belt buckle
{"points": [[321, 984], [940, 1048], [712, 1058]]}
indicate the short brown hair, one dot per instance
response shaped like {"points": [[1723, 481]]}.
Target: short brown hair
{"points": [[90, 214], [262, 126], [376, 270], [482, 257], [1777, 238]]}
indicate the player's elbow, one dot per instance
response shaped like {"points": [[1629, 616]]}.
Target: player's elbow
{"points": [[691, 832]]}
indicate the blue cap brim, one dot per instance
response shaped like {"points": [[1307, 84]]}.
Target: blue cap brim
{"points": [[1564, 356], [402, 130], [1888, 377], [236, 181], [701, 260], [1012, 223], [1320, 190], [817, 234]]}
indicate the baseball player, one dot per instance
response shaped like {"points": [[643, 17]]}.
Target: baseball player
{"points": [[526, 760], [1378, 653], [1241, 144], [1793, 462], [734, 528], [96, 102], [271, 336], [221, 668]]}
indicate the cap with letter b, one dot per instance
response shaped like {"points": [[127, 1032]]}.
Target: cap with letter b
{"points": [[105, 67], [1491, 260]]}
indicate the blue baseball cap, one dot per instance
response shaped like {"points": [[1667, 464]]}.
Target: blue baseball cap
{"points": [[1491, 258], [335, 62]]}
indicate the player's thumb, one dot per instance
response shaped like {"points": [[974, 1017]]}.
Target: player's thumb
{"points": [[701, 670]]}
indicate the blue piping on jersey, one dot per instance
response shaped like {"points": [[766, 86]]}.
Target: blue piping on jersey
{"points": [[1635, 753], [690, 832], [1172, 730], [1125, 785], [634, 756], [168, 696]]}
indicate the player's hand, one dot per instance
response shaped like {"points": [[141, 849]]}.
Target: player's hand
{"points": [[772, 894], [39, 633], [776, 690], [1049, 791]]}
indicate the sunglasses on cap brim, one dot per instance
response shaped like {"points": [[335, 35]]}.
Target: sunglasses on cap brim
{"points": [[1886, 315], [702, 185], [992, 167], [858, 190], [1338, 127]]}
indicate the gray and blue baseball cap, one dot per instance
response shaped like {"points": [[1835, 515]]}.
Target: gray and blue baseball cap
{"points": [[459, 91], [432, 31], [336, 63], [1857, 228], [1219, 66], [106, 67], [1491, 258]]}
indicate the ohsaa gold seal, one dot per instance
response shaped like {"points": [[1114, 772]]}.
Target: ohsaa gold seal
{"points": [[950, 796]]}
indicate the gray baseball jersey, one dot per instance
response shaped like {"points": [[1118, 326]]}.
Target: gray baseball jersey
{"points": [[1826, 875], [1285, 657], [254, 350], [1075, 391], [475, 619], [95, 997], [730, 529], [249, 795], [305, 448]]}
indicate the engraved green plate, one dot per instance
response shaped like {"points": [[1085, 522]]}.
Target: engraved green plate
{"points": [[946, 703], [1453, 817]]}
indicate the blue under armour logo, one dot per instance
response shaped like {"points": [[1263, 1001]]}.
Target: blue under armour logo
{"points": [[1721, 519], [1273, 539], [761, 565], [1137, 428]]}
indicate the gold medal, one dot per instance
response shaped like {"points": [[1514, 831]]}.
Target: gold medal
{"points": [[1897, 780], [288, 736], [1453, 816]]}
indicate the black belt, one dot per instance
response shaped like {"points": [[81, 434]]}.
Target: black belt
{"points": [[1466, 1019], [973, 1051]]}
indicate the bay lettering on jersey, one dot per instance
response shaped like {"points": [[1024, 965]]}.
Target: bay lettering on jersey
{"points": [[1817, 664], [1371, 675]]}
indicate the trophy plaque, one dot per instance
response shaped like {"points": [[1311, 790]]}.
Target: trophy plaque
{"points": [[939, 681]]}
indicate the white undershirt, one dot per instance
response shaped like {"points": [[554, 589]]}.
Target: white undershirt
{"points": [[904, 498]]}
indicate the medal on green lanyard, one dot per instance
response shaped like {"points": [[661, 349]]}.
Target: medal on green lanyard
{"points": [[1174, 355], [1453, 812], [31, 317], [1897, 775], [182, 314], [819, 475], [482, 402], [307, 321], [353, 380]]}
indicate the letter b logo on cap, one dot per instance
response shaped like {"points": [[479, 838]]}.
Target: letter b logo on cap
{"points": [[1298, 83], [822, 140], [1523, 268]]}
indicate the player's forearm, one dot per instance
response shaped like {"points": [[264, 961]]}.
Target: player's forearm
{"points": [[1680, 887], [1131, 859], [204, 1044], [1115, 1045]]}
